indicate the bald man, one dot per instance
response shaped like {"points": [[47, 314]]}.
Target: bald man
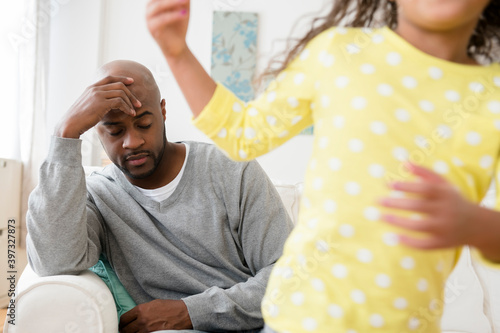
{"points": [[191, 235]]}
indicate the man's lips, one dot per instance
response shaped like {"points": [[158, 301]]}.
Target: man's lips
{"points": [[137, 160]]}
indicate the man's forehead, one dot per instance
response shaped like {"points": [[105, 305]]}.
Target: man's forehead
{"points": [[117, 116], [141, 90], [144, 87]]}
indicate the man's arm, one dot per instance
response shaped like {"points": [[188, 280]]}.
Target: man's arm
{"points": [[64, 228], [264, 225]]}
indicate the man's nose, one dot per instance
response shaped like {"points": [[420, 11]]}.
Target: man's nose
{"points": [[132, 140]]}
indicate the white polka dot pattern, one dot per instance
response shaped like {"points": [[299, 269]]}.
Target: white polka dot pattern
{"points": [[376, 320], [359, 103], [408, 263], [400, 303], [393, 58], [309, 324], [372, 213], [365, 255], [375, 106], [298, 298], [436, 73], [335, 311], [403, 115], [383, 280], [358, 296], [356, 145], [367, 69], [339, 271]]}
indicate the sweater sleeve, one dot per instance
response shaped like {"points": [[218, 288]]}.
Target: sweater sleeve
{"points": [[263, 227], [64, 227], [248, 130]]}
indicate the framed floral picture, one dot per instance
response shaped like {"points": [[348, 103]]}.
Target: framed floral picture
{"points": [[234, 51]]}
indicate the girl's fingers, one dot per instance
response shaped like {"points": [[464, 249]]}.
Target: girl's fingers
{"points": [[156, 7], [425, 173], [422, 243], [414, 205], [408, 223], [167, 18], [422, 188]]}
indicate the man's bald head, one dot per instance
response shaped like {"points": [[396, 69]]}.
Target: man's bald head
{"points": [[144, 86], [134, 143]]}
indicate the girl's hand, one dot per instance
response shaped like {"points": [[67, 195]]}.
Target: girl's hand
{"points": [[167, 21], [446, 219]]}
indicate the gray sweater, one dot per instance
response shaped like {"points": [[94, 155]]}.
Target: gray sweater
{"points": [[212, 243]]}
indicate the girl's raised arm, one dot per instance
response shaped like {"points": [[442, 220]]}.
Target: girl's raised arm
{"points": [[167, 22]]}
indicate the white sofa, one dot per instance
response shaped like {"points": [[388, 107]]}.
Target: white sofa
{"points": [[83, 303]]}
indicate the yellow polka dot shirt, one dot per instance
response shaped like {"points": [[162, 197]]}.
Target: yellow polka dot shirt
{"points": [[375, 102]]}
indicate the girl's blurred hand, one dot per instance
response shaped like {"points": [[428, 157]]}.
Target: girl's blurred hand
{"points": [[167, 21], [445, 217]]}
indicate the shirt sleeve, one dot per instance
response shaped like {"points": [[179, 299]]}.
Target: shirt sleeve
{"points": [[263, 226], [247, 130], [65, 230]]}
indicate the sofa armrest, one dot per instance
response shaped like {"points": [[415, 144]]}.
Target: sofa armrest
{"points": [[61, 303], [464, 299], [489, 279]]}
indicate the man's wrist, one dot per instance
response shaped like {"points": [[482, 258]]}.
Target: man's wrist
{"points": [[187, 317], [66, 131]]}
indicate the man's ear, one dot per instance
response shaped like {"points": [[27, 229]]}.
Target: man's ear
{"points": [[163, 109]]}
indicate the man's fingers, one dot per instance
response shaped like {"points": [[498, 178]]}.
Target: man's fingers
{"points": [[112, 79], [123, 87], [118, 103], [111, 82], [112, 94], [118, 86], [129, 328], [127, 318]]}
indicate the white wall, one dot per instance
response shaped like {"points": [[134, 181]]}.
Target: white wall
{"points": [[9, 27], [122, 34], [74, 57]]}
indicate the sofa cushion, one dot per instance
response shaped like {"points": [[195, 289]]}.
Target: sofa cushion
{"points": [[290, 196], [123, 300]]}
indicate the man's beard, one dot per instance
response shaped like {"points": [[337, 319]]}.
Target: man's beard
{"points": [[156, 161]]}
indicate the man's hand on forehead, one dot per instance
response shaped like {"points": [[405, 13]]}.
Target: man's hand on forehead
{"points": [[111, 93]]}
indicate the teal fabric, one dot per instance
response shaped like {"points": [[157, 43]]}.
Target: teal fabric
{"points": [[123, 301]]}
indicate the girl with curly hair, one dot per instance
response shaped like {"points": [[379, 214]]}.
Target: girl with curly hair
{"points": [[404, 96]]}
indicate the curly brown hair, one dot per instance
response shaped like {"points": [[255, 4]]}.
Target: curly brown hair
{"points": [[372, 13]]}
